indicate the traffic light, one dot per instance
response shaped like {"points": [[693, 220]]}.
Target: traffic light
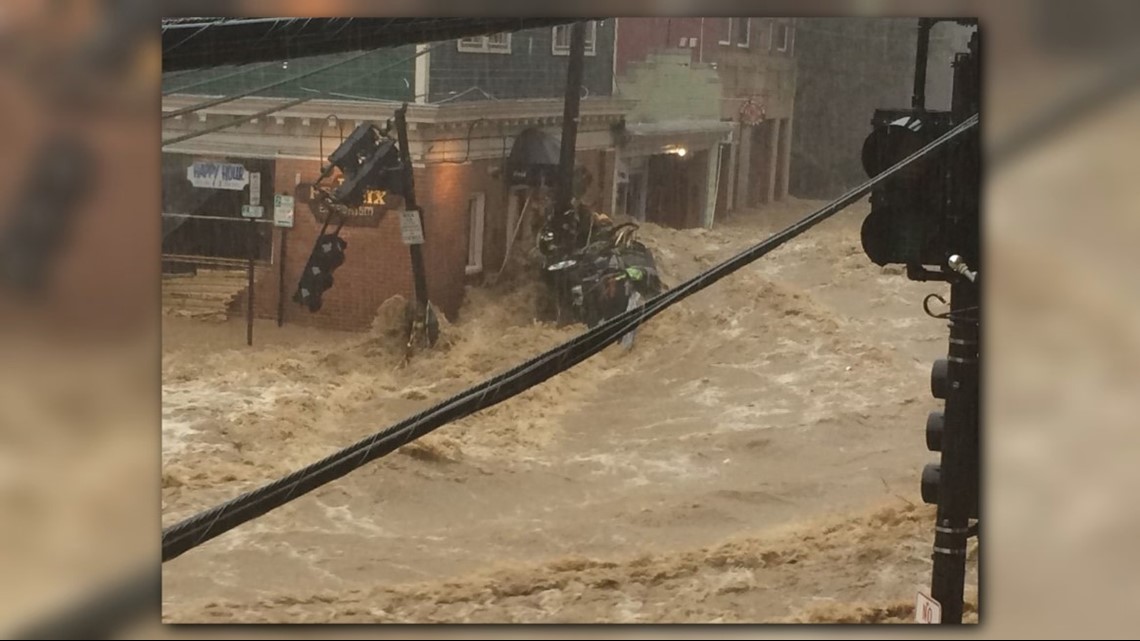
{"points": [[908, 210], [937, 431], [368, 161], [317, 277]]}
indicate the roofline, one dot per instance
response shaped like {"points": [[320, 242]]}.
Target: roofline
{"points": [[216, 42], [418, 113]]}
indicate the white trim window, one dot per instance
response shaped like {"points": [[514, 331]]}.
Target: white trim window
{"points": [[476, 212], [726, 31], [781, 37], [560, 39], [743, 37], [494, 43]]}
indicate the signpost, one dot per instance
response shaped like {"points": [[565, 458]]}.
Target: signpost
{"points": [[251, 213], [283, 218]]}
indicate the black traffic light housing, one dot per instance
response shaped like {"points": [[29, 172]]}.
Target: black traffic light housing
{"points": [[908, 210], [317, 277], [938, 430], [368, 160]]}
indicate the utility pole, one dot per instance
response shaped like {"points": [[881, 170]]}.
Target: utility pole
{"points": [[422, 323], [565, 188], [409, 183], [958, 477], [918, 98]]}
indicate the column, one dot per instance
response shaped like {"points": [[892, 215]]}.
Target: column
{"points": [[423, 69], [711, 186], [730, 187], [773, 157], [744, 167], [786, 157], [612, 210], [644, 195]]}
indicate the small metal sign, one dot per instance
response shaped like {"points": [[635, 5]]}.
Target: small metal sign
{"points": [[255, 188], [927, 610], [283, 211], [411, 227], [252, 211]]}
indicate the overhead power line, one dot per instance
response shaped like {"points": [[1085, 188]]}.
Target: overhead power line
{"points": [[239, 72]]}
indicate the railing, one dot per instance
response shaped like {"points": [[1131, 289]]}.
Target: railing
{"points": [[215, 241]]}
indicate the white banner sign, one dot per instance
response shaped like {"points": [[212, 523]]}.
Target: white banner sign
{"points": [[217, 175]]}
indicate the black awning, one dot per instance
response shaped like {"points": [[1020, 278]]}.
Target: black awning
{"points": [[534, 157]]}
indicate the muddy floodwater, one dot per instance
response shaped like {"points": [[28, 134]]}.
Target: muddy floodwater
{"points": [[754, 458]]}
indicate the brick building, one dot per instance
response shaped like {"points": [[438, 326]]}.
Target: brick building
{"points": [[469, 100], [459, 151], [738, 71]]}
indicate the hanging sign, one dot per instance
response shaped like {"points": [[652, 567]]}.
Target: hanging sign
{"points": [[367, 214], [753, 112]]}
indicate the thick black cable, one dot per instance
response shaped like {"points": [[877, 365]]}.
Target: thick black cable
{"points": [[196, 530]]}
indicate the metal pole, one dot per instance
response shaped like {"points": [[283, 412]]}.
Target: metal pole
{"points": [[418, 274], [249, 289], [959, 469], [565, 187], [918, 99], [959, 478], [281, 279]]}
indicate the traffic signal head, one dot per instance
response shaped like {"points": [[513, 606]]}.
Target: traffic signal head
{"points": [[908, 209], [317, 276], [368, 160]]}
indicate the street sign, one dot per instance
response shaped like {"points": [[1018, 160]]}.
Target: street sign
{"points": [[927, 610], [217, 175], [283, 211], [255, 188], [411, 227], [252, 211]]}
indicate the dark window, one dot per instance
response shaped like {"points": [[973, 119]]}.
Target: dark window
{"points": [[743, 31], [782, 38]]}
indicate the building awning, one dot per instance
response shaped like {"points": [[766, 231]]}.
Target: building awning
{"points": [[643, 129], [534, 157], [641, 139]]}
